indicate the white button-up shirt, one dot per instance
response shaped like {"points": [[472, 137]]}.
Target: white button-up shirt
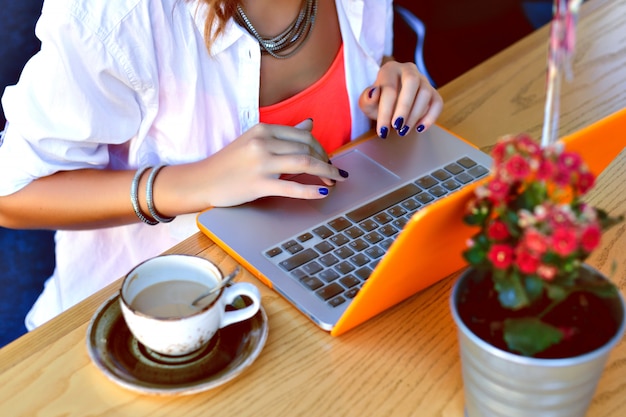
{"points": [[123, 84]]}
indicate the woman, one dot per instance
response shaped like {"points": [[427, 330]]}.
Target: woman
{"points": [[177, 104]]}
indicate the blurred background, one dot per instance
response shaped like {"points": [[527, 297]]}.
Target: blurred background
{"points": [[456, 34]]}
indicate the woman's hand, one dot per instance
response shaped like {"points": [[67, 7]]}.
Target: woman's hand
{"points": [[402, 99], [251, 167]]}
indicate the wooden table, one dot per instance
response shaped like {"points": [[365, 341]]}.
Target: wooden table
{"points": [[404, 361]]}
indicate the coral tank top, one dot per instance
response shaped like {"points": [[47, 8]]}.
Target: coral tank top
{"points": [[325, 101]]}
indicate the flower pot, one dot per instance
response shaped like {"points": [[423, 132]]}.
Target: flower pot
{"points": [[500, 383]]}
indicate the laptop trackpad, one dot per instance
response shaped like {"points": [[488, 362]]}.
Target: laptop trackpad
{"points": [[367, 178]]}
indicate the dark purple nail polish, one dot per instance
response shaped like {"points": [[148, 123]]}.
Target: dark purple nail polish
{"points": [[420, 128], [403, 131], [371, 92], [398, 123], [323, 191], [344, 174], [383, 132]]}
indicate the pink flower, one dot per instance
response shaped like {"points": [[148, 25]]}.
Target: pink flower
{"points": [[526, 261], [545, 170], [585, 182], [546, 272], [590, 237], [570, 161], [535, 241], [564, 241], [498, 230], [517, 167], [501, 256], [498, 190]]}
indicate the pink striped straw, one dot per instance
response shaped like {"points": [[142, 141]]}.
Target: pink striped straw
{"points": [[561, 51]]}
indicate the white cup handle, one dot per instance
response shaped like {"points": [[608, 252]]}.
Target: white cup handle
{"points": [[229, 295]]}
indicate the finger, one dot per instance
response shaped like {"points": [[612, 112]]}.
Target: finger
{"points": [[306, 164], [411, 85], [303, 136], [423, 100], [434, 110], [292, 189], [368, 102]]}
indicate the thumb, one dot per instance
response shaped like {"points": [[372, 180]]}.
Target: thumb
{"points": [[306, 124], [368, 102]]}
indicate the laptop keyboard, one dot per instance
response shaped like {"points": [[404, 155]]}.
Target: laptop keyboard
{"points": [[335, 259]]}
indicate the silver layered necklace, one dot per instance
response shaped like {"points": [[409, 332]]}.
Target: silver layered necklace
{"points": [[295, 36]]}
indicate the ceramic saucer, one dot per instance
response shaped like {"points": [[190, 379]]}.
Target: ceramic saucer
{"points": [[125, 361]]}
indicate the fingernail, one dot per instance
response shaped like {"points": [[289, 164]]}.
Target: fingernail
{"points": [[403, 131], [383, 132], [371, 92], [420, 128], [323, 191], [343, 173], [398, 123]]}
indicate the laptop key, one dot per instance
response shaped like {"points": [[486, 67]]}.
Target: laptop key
{"points": [[331, 290], [304, 237], [424, 198], [273, 252], [374, 252], [368, 225], [441, 174], [454, 169], [373, 237], [451, 185], [358, 245], [349, 281], [337, 301], [339, 239], [324, 247], [344, 252], [382, 203], [466, 162], [344, 267], [311, 283], [464, 178], [353, 232], [437, 191], [363, 273], [323, 232], [411, 204], [426, 182], [299, 259], [329, 259], [351, 293], [339, 224], [359, 259], [312, 268], [328, 275], [478, 171]]}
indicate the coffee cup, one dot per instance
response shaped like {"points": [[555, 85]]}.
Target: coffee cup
{"points": [[156, 298]]}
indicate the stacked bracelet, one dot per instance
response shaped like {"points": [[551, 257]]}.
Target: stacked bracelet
{"points": [[150, 199], [134, 198]]}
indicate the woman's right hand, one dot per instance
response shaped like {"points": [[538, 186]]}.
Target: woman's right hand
{"points": [[251, 167]]}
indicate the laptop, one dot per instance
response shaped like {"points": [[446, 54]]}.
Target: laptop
{"points": [[392, 229]]}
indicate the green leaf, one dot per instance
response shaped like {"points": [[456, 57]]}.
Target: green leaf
{"points": [[530, 335], [534, 287], [511, 292], [557, 292], [603, 289], [475, 255]]}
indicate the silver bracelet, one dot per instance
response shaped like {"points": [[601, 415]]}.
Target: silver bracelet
{"points": [[134, 199], [150, 197]]}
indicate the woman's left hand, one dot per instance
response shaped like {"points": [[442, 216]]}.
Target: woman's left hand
{"points": [[402, 99]]}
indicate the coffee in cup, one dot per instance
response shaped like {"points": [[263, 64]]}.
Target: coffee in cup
{"points": [[156, 301]]}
